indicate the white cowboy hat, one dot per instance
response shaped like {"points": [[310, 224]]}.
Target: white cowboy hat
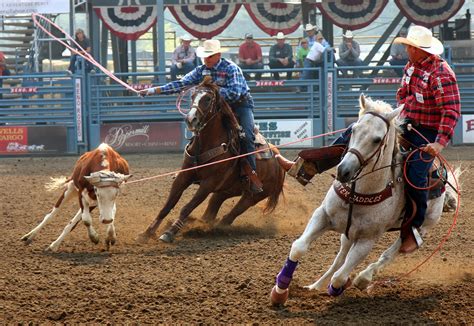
{"points": [[186, 37], [309, 27], [280, 36], [421, 37], [348, 34], [208, 48]]}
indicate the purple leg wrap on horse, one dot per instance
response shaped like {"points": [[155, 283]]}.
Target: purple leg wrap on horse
{"points": [[286, 274], [335, 292]]}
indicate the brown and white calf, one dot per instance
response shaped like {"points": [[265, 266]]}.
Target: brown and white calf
{"points": [[95, 180]]}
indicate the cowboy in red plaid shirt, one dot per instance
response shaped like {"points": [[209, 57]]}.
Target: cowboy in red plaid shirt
{"points": [[430, 95]]}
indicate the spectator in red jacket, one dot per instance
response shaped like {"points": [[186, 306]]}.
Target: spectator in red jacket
{"points": [[250, 56]]}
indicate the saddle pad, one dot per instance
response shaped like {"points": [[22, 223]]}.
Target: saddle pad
{"points": [[261, 143]]}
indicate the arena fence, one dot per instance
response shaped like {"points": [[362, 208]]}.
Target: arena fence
{"points": [[69, 114]]}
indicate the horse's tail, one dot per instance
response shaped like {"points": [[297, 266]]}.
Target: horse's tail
{"points": [[451, 198], [56, 183], [274, 197]]}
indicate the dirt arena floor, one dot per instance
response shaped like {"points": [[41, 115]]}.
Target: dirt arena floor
{"points": [[211, 276]]}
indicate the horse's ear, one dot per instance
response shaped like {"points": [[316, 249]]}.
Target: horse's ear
{"points": [[362, 101], [395, 112]]}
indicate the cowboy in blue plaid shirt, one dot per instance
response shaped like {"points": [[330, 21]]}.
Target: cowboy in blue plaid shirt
{"points": [[233, 87]]}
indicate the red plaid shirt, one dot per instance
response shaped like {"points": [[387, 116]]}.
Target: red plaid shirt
{"points": [[430, 93]]}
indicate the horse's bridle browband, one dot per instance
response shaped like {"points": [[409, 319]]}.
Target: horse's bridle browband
{"points": [[363, 162]]}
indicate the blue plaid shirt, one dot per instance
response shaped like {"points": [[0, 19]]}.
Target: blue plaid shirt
{"points": [[226, 74]]}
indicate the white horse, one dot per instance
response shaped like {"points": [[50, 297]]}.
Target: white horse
{"points": [[373, 145]]}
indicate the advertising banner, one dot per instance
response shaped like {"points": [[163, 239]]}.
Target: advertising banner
{"points": [[9, 7], [146, 137], [468, 128], [33, 140], [280, 132]]}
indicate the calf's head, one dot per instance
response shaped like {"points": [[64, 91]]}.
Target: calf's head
{"points": [[106, 186]]}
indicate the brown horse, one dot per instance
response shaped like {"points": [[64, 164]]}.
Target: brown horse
{"points": [[216, 137]]}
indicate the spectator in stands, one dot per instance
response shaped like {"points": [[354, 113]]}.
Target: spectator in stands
{"points": [[314, 58], [4, 71], [311, 32], [281, 56], [250, 56], [399, 54], [302, 52], [83, 41], [184, 58], [349, 52]]}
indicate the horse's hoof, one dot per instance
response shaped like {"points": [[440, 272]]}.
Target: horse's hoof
{"points": [[143, 238], [94, 238], [278, 299], [335, 292], [167, 237], [108, 243], [361, 283]]}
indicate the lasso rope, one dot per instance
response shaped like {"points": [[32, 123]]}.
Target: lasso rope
{"points": [[87, 56]]}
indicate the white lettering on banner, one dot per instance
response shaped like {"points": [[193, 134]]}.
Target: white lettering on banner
{"points": [[468, 128], [269, 83], [384, 80], [78, 94], [117, 136], [33, 6], [23, 90], [16, 147], [280, 132], [330, 94]]}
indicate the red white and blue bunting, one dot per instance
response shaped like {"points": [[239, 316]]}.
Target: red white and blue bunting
{"points": [[352, 15], [275, 17], [128, 23], [429, 13], [204, 21]]}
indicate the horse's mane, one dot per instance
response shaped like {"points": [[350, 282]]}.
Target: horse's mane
{"points": [[229, 119]]}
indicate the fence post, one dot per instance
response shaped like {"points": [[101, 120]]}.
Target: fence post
{"points": [[327, 85], [80, 112]]}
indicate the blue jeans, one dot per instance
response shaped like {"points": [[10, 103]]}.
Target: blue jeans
{"points": [[187, 67], [244, 66], [417, 172], [244, 112], [311, 74], [72, 64]]}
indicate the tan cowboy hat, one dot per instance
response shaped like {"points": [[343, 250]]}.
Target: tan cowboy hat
{"points": [[280, 36], [421, 37], [310, 27], [186, 37], [348, 34], [208, 48]]}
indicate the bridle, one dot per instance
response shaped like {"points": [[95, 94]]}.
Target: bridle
{"points": [[378, 151], [203, 117]]}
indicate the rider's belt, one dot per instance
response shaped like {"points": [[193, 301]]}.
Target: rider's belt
{"points": [[241, 100]]}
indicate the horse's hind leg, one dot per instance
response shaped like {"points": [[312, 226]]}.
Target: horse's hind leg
{"points": [[215, 203], [67, 194], [364, 278], [322, 283], [316, 226], [198, 198], [242, 205], [180, 184]]}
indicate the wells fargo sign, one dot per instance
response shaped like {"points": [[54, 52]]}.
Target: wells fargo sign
{"points": [[33, 140]]}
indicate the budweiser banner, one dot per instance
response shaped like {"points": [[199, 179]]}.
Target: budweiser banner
{"points": [[33, 140], [146, 137]]}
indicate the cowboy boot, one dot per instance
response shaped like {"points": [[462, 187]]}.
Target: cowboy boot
{"points": [[411, 238], [256, 186]]}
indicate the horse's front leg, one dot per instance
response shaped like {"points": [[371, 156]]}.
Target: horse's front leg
{"points": [[180, 184], [364, 278], [322, 283], [358, 251], [315, 227], [215, 203], [198, 198]]}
